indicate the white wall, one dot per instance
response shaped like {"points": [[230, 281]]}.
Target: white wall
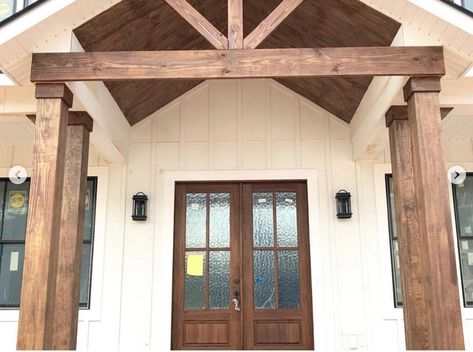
{"points": [[244, 125], [242, 129]]}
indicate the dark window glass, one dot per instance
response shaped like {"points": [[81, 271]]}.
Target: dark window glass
{"points": [[395, 263], [13, 216], [463, 204]]}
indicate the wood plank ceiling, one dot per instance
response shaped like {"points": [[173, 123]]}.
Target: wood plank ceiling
{"points": [[154, 25]]}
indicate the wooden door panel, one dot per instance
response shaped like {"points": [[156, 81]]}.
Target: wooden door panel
{"points": [[269, 268], [203, 313], [285, 323]]}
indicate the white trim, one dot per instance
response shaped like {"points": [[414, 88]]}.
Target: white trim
{"points": [[94, 313], [162, 271]]}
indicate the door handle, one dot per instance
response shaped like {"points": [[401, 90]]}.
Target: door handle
{"points": [[236, 301]]}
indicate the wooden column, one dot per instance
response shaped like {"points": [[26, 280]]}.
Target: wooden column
{"points": [[428, 270], [416, 317], [35, 328], [71, 232]]}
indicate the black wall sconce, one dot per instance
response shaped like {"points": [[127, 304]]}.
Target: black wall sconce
{"points": [[343, 204], [140, 204]]}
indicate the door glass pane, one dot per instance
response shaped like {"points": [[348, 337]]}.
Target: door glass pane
{"points": [[288, 279], [84, 274], [16, 210], [263, 231], [89, 210], [196, 220], [286, 215], [219, 280], [11, 272], [194, 285], [263, 280], [219, 228]]}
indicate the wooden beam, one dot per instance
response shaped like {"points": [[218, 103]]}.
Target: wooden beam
{"points": [[435, 240], [67, 300], [270, 23], [258, 63], [399, 112], [76, 118], [200, 23], [235, 24], [35, 329]]}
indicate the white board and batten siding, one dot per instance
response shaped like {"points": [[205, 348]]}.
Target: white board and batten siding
{"points": [[240, 130]]}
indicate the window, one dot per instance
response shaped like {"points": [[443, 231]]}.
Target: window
{"points": [[395, 263], [13, 215], [463, 205]]}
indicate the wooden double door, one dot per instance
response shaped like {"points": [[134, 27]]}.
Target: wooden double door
{"points": [[241, 276]]}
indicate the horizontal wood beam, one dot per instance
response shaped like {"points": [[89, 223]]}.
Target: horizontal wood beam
{"points": [[256, 63], [270, 23], [200, 23], [399, 113]]}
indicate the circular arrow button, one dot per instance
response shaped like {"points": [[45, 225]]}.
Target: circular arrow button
{"points": [[456, 175], [17, 174]]}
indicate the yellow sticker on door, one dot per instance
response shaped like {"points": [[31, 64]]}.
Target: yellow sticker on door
{"points": [[195, 265]]}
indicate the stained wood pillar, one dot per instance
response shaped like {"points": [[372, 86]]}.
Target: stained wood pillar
{"points": [[71, 232], [35, 329], [432, 313]]}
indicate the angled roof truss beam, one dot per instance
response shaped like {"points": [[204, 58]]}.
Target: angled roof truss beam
{"points": [[200, 23], [270, 23]]}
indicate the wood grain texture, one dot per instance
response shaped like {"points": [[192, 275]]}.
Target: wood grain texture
{"points": [[257, 63], [67, 299], [399, 112], [76, 118], [153, 25], [415, 306], [38, 304], [235, 24], [269, 24], [439, 274], [200, 23]]}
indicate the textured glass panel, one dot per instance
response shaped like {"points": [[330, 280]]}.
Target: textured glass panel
{"points": [[288, 279], [286, 219], [11, 272], [263, 279], [219, 280], [263, 230], [89, 210], [194, 282], [196, 220], [84, 275], [219, 228], [16, 211]]}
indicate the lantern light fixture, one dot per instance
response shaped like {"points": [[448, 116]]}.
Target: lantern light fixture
{"points": [[140, 204], [343, 204]]}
